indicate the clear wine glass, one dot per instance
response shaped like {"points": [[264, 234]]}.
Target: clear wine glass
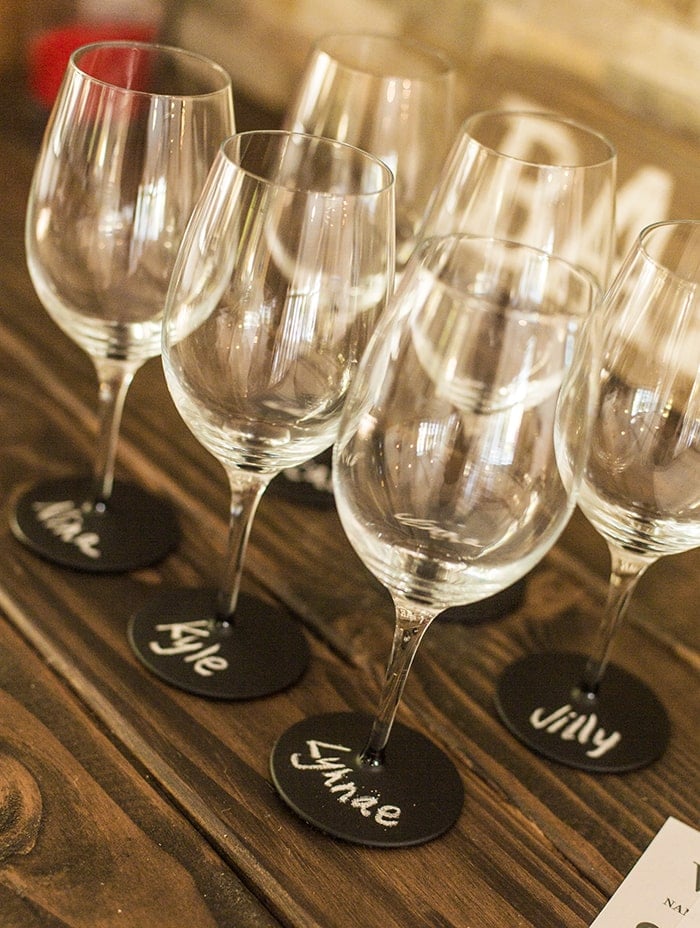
{"points": [[125, 154], [394, 98], [449, 488], [641, 491], [536, 178], [283, 272]]}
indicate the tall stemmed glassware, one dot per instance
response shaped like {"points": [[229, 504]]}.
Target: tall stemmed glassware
{"points": [[449, 488], [283, 272], [396, 99], [641, 491], [125, 155], [392, 97], [539, 179], [536, 178]]}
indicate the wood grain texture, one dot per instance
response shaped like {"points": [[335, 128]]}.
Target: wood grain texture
{"points": [[537, 845], [84, 839]]}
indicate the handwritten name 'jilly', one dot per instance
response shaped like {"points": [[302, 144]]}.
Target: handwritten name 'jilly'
{"points": [[579, 726]]}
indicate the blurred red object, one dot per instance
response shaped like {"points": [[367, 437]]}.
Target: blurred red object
{"points": [[49, 52]]}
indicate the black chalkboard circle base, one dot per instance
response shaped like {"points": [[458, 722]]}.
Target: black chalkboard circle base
{"points": [[262, 650], [622, 728], [413, 797], [134, 529]]}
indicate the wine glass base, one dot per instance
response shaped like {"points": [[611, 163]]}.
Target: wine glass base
{"points": [[310, 484], [623, 728], [415, 796], [261, 651], [135, 529], [490, 609]]}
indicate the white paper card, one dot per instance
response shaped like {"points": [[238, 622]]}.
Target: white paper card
{"points": [[661, 890]]}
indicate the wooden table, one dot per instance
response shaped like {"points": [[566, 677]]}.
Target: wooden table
{"points": [[124, 802]]}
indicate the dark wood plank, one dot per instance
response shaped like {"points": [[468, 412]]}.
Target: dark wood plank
{"points": [[213, 759], [218, 754], [84, 839]]}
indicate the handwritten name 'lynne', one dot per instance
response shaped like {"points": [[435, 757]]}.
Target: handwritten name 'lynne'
{"points": [[337, 778]]}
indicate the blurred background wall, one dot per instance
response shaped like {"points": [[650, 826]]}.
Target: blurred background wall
{"points": [[642, 55]]}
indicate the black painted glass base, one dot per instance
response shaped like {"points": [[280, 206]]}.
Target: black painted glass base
{"points": [[310, 484], [413, 797], [490, 609], [622, 728], [133, 530], [259, 652]]}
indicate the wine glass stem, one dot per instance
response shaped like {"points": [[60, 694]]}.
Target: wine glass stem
{"points": [[626, 571], [114, 381], [411, 624], [246, 492]]}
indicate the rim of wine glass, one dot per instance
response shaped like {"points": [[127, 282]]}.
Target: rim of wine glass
{"points": [[432, 242], [385, 171], [550, 117], [152, 47], [650, 230], [441, 66]]}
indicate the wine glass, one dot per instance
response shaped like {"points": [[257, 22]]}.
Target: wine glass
{"points": [[449, 489], [392, 97], [283, 271], [641, 491], [536, 178], [128, 146], [540, 179]]}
